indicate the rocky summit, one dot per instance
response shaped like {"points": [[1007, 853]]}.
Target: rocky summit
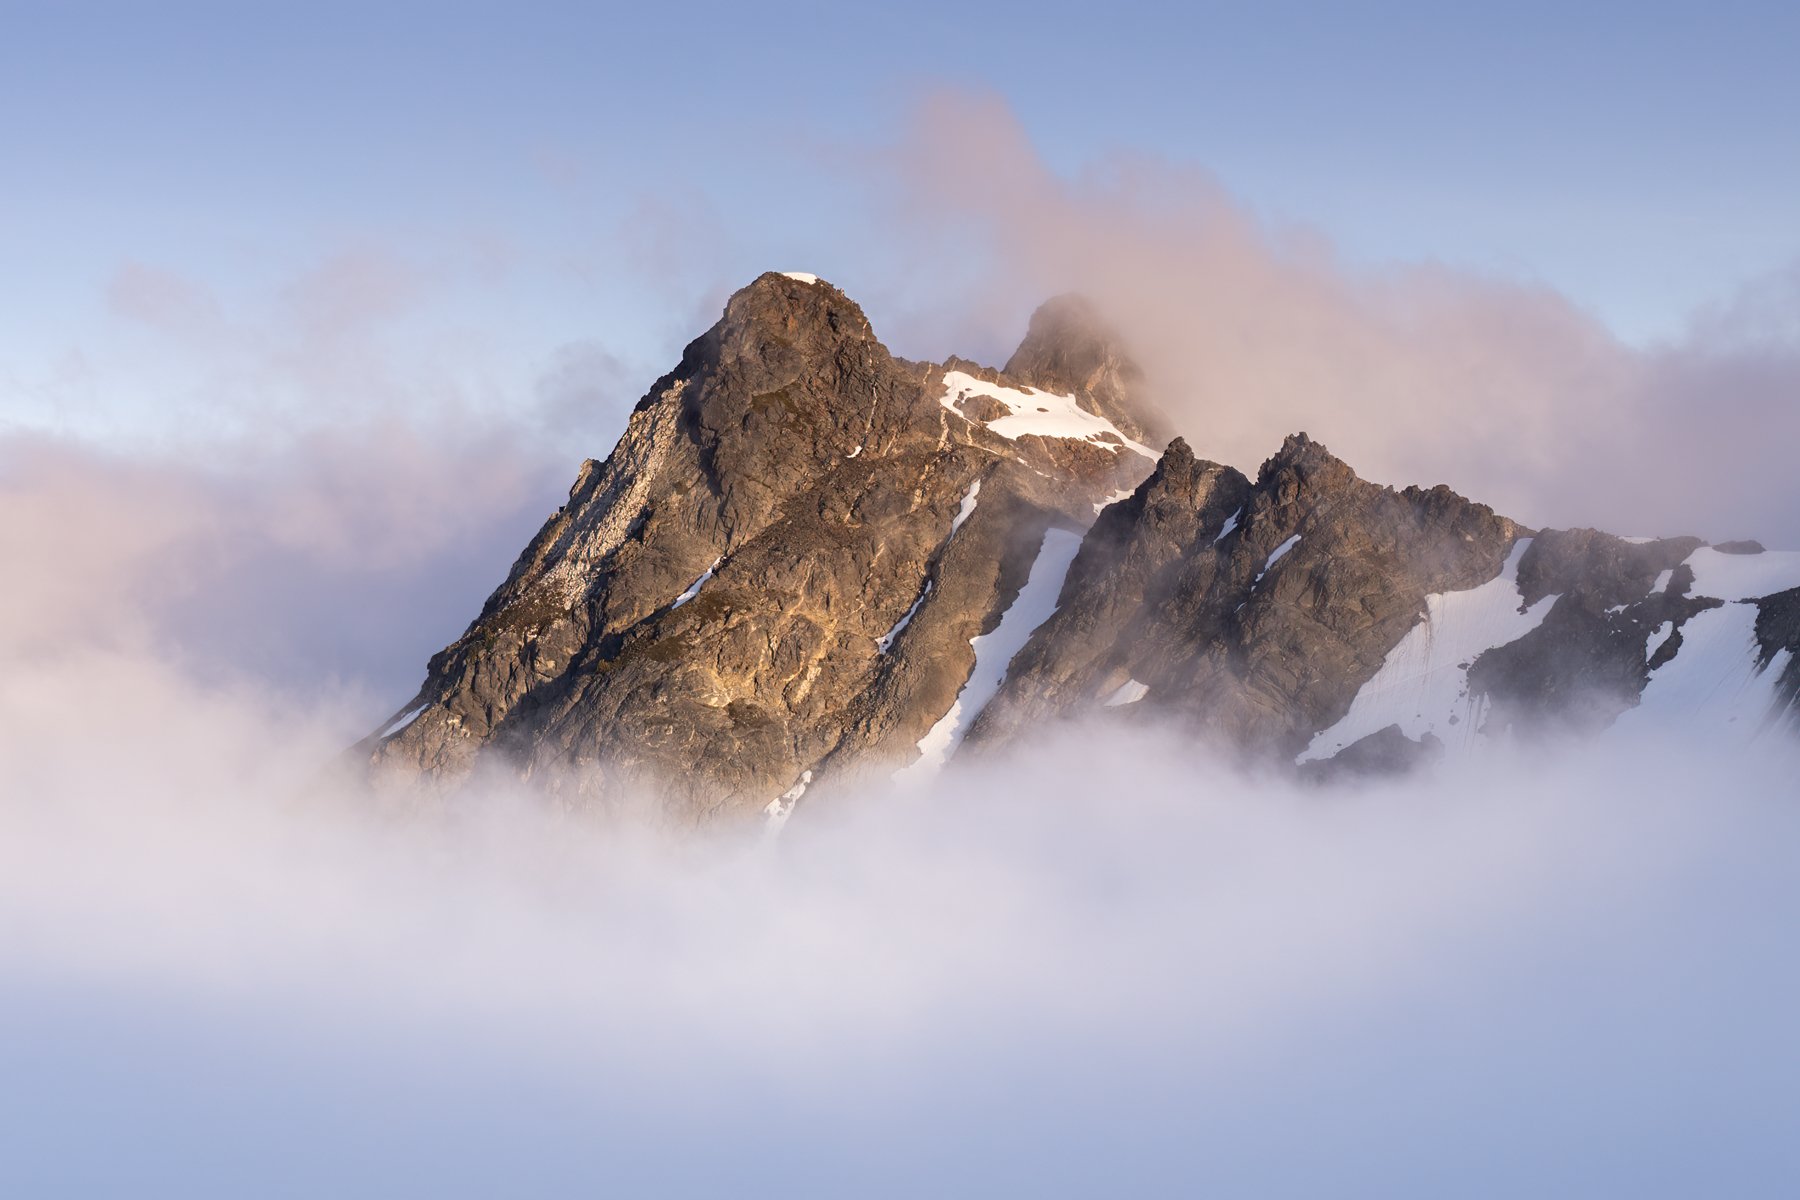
{"points": [[809, 565]]}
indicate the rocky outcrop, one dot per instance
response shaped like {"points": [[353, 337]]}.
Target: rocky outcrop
{"points": [[782, 562], [780, 581], [1589, 659], [1778, 648], [1384, 754], [1248, 613]]}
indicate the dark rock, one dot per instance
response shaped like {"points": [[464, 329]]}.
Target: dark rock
{"points": [[1740, 547], [1778, 630], [703, 621], [770, 585], [1175, 588], [1585, 663], [1384, 754]]}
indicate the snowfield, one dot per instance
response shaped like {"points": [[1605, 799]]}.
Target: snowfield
{"points": [[1711, 687], [994, 653], [1423, 684], [1046, 414]]}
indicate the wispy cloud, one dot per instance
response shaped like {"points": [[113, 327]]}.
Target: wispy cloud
{"points": [[1252, 328]]}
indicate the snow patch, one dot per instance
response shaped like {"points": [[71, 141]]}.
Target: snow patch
{"points": [[694, 587], [777, 810], [1275, 556], [1231, 523], [1422, 685], [403, 720], [887, 639], [968, 507], [802, 276], [1046, 414], [1129, 692], [994, 654], [1662, 583], [1114, 498], [1743, 576]]}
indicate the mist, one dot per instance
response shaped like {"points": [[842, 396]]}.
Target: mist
{"points": [[1104, 964], [1252, 325]]}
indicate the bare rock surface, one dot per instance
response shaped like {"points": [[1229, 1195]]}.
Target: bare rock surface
{"points": [[1588, 661], [1778, 638], [1249, 613], [774, 586], [782, 562]]}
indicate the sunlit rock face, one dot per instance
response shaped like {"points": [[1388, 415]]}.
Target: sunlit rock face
{"points": [[779, 569], [809, 565]]}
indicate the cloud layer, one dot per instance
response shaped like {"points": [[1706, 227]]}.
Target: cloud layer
{"points": [[1415, 373], [1104, 964]]}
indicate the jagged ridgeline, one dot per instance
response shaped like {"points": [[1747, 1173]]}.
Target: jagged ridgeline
{"points": [[809, 564]]}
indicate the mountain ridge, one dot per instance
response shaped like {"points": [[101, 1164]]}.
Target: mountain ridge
{"points": [[804, 554]]}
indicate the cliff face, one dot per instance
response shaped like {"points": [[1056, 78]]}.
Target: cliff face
{"points": [[1252, 612], [783, 561], [809, 564]]}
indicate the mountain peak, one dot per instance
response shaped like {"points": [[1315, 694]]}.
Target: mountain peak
{"points": [[1300, 456], [1070, 347], [808, 563], [794, 299]]}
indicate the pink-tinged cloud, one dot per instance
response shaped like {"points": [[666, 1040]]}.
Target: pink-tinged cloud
{"points": [[1424, 373]]}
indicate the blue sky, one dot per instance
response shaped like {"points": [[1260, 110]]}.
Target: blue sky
{"points": [[561, 172]]}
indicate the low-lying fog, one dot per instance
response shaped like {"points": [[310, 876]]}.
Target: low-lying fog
{"points": [[1101, 967]]}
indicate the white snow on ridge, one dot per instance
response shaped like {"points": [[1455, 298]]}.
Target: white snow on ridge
{"points": [[1422, 685], [802, 276], [694, 587], [994, 654], [1712, 685], [1129, 692], [1231, 523], [1742, 576], [1047, 414]]}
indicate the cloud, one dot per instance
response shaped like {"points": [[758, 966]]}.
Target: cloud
{"points": [[1252, 328], [1108, 964], [1105, 963], [162, 300], [324, 496]]}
